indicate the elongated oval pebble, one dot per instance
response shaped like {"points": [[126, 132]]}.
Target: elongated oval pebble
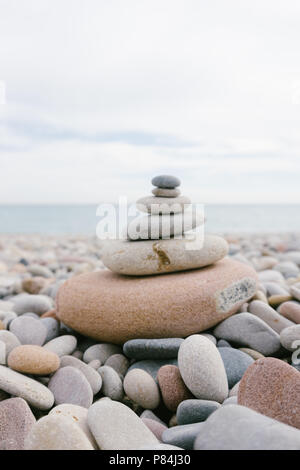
{"points": [[141, 388], [202, 369], [31, 359], [57, 432], [32, 391], [63, 345], [123, 429], [90, 374]]}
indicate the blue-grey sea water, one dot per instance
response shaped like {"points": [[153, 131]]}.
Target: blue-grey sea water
{"points": [[82, 219]]}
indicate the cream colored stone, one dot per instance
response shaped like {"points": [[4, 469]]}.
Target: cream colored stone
{"points": [[162, 256], [163, 205], [78, 414], [57, 432], [141, 388], [155, 227]]}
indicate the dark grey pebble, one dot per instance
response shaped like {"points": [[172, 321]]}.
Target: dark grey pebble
{"points": [[165, 181], [222, 343], [236, 362], [182, 436], [152, 366], [165, 348], [195, 411]]}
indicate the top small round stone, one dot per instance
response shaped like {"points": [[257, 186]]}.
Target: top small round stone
{"points": [[166, 181]]}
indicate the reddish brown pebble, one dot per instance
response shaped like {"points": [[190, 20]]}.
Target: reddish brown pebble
{"points": [[154, 426], [51, 313], [290, 310], [172, 387], [16, 421], [272, 387]]}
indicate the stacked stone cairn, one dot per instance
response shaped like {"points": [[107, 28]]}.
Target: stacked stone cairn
{"points": [[160, 283]]}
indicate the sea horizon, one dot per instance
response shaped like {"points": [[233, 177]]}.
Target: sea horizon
{"points": [[81, 219]]}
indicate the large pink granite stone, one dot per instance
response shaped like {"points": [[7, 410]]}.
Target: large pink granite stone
{"points": [[272, 387], [115, 308]]}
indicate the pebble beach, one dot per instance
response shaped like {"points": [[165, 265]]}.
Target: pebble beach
{"points": [[62, 385], [114, 347]]}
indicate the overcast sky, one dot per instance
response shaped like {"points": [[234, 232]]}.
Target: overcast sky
{"points": [[102, 95]]}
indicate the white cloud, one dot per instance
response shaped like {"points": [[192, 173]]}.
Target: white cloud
{"points": [[94, 87]]}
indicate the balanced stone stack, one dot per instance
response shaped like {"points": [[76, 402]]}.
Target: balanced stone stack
{"points": [[161, 285], [167, 214]]}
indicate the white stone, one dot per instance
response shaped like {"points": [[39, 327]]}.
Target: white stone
{"points": [[290, 338], [248, 330], [116, 427], [155, 227], [161, 256], [141, 388], [163, 205], [202, 369], [22, 386], [57, 432]]}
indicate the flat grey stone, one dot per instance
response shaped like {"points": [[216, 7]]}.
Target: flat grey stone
{"points": [[246, 329], [166, 181], [236, 363], [230, 401], [101, 352], [112, 385], [62, 345], [182, 436], [29, 330], [92, 376], [235, 427], [164, 226], [118, 362], [10, 340], [165, 348], [38, 304], [69, 385], [222, 343], [150, 415], [290, 337], [19, 385], [7, 318], [2, 353], [195, 411], [52, 326]]}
